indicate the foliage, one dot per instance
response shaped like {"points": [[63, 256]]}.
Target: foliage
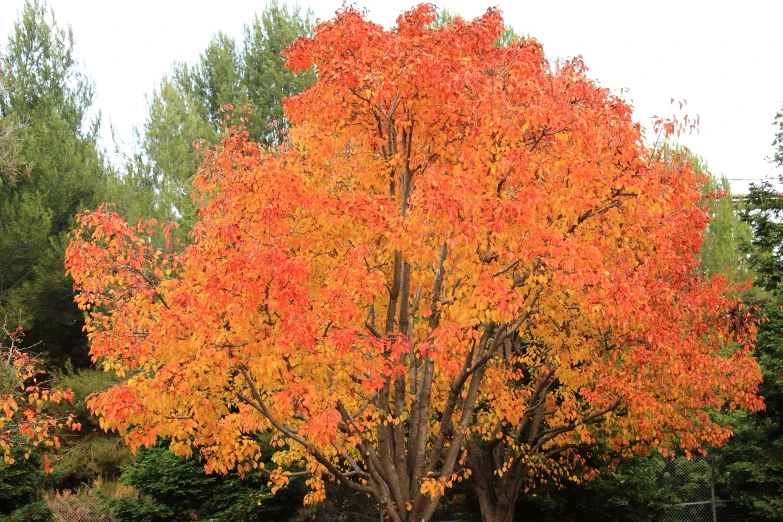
{"points": [[267, 82], [752, 462], [44, 89], [777, 156], [463, 265], [185, 112], [10, 149], [21, 484], [726, 234], [157, 180], [92, 454], [445, 17], [23, 420], [641, 488], [762, 212], [173, 488]]}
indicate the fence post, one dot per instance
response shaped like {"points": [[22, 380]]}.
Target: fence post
{"points": [[712, 489]]}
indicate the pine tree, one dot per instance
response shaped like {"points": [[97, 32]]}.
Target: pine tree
{"points": [[45, 90]]}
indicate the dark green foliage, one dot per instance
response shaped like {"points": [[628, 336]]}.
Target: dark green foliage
{"points": [[638, 490], [45, 90], [264, 76], [763, 211], [751, 464], [11, 162], [777, 156], [20, 490], [172, 488], [216, 79]]}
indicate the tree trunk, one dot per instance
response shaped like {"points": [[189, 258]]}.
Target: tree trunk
{"points": [[501, 510], [498, 496]]}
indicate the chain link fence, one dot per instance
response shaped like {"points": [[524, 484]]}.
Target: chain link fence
{"points": [[692, 487], [80, 506]]}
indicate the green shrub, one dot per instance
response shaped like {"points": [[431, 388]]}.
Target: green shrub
{"points": [[172, 488], [21, 484]]}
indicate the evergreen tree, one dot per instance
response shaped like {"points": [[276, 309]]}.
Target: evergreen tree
{"points": [[216, 80], [21, 484], [187, 109], [265, 78], [721, 252], [173, 488], [45, 90], [752, 462]]}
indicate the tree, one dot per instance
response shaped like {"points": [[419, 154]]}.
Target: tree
{"points": [[44, 89], [10, 142], [216, 80], [267, 81], [726, 234], [157, 179], [23, 421], [463, 264], [752, 462]]}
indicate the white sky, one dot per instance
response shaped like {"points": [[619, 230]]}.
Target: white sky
{"points": [[724, 58]]}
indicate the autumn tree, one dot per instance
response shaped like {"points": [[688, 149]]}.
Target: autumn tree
{"points": [[462, 264], [24, 424]]}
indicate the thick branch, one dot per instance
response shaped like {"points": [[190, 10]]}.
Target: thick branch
{"points": [[259, 405]]}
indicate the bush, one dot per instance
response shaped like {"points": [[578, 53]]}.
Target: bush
{"points": [[20, 489], [173, 488]]}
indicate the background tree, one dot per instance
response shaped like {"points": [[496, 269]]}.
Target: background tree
{"points": [[751, 465], [726, 236], [187, 109], [21, 489], [24, 423], [464, 264], [267, 82], [44, 89]]}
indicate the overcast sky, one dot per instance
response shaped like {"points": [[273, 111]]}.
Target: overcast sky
{"points": [[724, 58]]}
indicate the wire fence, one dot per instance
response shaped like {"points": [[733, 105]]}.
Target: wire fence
{"points": [[692, 486], [80, 506]]}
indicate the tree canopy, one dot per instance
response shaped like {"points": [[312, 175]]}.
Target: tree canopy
{"points": [[462, 263]]}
